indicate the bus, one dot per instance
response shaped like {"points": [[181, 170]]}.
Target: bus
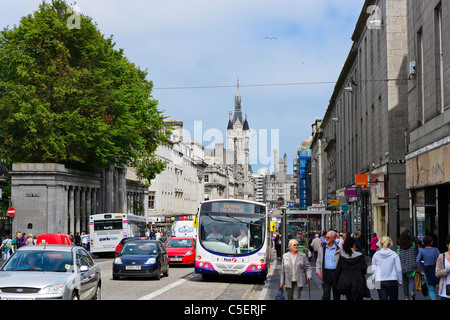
{"points": [[107, 229], [233, 238]]}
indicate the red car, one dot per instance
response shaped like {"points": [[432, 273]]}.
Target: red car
{"points": [[122, 243], [181, 250]]}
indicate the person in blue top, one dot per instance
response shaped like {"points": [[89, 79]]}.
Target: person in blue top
{"points": [[429, 256]]}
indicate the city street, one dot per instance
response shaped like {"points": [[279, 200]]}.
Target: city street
{"points": [[184, 284]]}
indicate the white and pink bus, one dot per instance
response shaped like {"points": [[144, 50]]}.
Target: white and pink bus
{"points": [[233, 238]]}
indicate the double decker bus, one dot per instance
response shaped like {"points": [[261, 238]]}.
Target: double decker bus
{"points": [[107, 229], [233, 238]]}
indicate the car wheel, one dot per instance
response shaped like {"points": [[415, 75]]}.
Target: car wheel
{"points": [[158, 274], [166, 274], [98, 293]]}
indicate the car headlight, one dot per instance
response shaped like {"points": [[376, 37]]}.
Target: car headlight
{"points": [[188, 253], [53, 289], [151, 261], [118, 261]]}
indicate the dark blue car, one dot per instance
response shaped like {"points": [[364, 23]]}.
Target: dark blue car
{"points": [[141, 258]]}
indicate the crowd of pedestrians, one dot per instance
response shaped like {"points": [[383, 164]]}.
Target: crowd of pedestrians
{"points": [[344, 268]]}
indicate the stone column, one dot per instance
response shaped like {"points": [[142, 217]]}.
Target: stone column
{"points": [[71, 209], [77, 210], [122, 189]]}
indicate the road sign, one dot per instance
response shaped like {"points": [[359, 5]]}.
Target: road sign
{"points": [[11, 212], [334, 202], [344, 217], [345, 207]]}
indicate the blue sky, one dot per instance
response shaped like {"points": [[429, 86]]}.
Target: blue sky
{"points": [[203, 43]]}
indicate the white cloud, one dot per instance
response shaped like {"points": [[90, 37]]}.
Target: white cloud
{"points": [[213, 42]]}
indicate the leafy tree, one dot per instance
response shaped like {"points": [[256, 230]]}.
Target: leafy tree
{"points": [[68, 96]]}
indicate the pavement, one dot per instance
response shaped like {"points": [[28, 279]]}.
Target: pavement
{"points": [[272, 285]]}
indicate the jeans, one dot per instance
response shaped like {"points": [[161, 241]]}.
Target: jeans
{"points": [[388, 290], [431, 290], [409, 286]]}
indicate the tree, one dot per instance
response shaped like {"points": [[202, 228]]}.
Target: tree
{"points": [[68, 96]]}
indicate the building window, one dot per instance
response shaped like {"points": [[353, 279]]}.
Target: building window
{"points": [[206, 178], [151, 201], [439, 60]]}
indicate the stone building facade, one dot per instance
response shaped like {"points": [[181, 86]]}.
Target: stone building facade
{"points": [[363, 129], [48, 197], [428, 153]]}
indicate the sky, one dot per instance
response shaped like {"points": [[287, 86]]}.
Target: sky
{"points": [[286, 54]]}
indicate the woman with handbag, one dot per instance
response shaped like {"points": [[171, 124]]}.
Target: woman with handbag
{"points": [[443, 272], [407, 252], [295, 271], [429, 255]]}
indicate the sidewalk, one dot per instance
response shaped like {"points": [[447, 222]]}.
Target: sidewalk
{"points": [[272, 286]]}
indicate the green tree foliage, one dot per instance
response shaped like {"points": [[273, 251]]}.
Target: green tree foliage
{"points": [[68, 96]]}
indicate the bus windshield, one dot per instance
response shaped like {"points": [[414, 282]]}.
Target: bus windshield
{"points": [[234, 234]]}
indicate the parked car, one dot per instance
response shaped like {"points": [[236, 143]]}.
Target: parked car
{"points": [[50, 272], [141, 258], [122, 243], [54, 238], [181, 250]]}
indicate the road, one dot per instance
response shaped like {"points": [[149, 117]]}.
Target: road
{"points": [[181, 284]]}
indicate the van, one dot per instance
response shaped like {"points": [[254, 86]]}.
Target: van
{"points": [[54, 238], [184, 228]]}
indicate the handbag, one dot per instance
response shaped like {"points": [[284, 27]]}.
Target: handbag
{"points": [[418, 281], [280, 295], [424, 288]]}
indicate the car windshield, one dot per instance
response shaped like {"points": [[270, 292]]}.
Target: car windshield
{"points": [[232, 234], [50, 261], [140, 248], [179, 243]]}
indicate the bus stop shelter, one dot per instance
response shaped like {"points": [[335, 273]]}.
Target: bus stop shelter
{"points": [[296, 223]]}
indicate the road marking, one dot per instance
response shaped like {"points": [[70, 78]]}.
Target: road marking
{"points": [[167, 288]]}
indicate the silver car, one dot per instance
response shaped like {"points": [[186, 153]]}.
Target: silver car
{"points": [[50, 272]]}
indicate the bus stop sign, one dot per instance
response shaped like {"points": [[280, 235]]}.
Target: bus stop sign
{"points": [[11, 212]]}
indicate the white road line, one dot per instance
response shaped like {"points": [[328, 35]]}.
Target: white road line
{"points": [[167, 288]]}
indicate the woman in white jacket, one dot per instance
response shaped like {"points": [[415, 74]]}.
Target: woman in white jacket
{"points": [[387, 270]]}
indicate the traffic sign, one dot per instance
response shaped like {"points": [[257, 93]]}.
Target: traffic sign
{"points": [[11, 212], [334, 202], [345, 207]]}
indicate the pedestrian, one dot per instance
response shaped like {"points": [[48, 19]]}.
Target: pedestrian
{"points": [[30, 240], [295, 271], [339, 240], [77, 239], [84, 240], [360, 243], [386, 270], [315, 244], [6, 245], [373, 245], [407, 252], [443, 272], [277, 241], [351, 270], [327, 259], [16, 243], [429, 256]]}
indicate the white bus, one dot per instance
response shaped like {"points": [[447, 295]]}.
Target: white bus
{"points": [[107, 229], [233, 239]]}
